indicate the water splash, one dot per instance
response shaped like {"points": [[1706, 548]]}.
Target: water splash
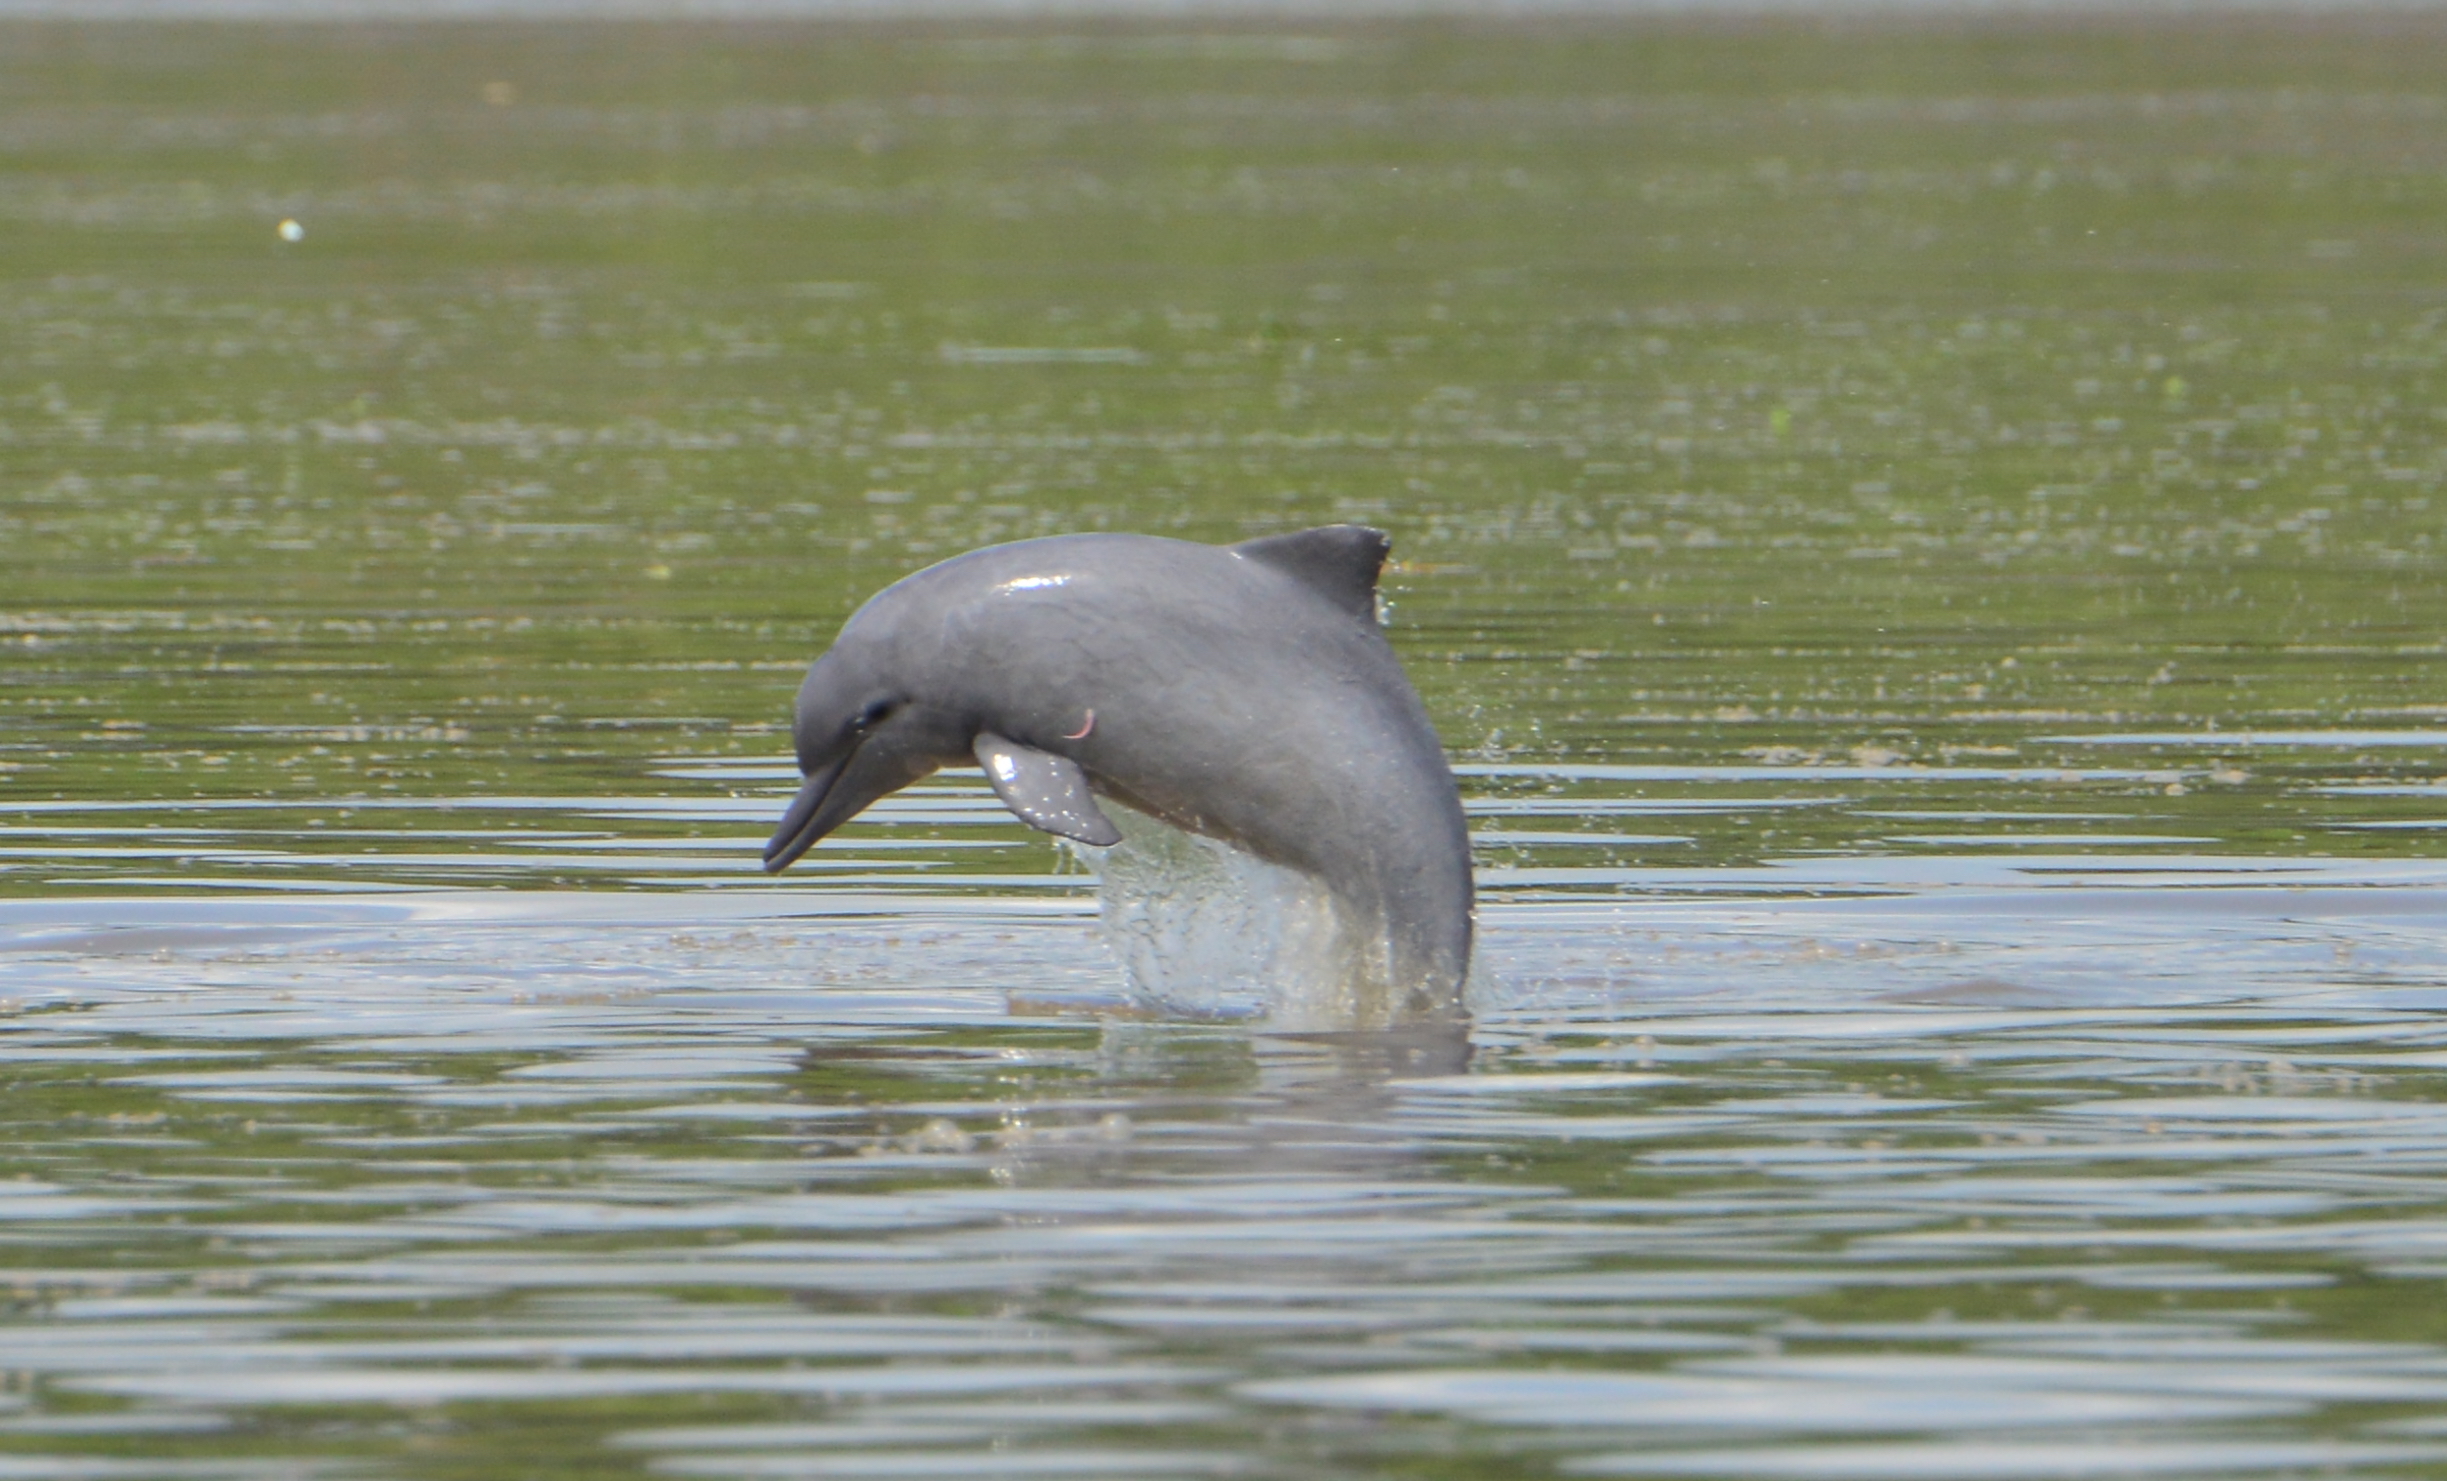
{"points": [[1203, 930]]}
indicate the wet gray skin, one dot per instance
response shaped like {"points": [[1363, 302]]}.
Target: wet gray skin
{"points": [[1241, 692]]}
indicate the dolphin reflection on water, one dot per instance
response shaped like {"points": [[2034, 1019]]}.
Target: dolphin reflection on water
{"points": [[1244, 693]]}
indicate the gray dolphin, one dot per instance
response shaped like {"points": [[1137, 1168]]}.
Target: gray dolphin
{"points": [[1244, 692]]}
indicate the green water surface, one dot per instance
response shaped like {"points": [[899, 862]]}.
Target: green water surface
{"points": [[1771, 390]]}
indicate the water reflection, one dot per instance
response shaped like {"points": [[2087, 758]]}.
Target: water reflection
{"points": [[1971, 1164]]}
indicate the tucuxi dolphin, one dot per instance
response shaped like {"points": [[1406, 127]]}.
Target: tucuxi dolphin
{"points": [[1242, 692]]}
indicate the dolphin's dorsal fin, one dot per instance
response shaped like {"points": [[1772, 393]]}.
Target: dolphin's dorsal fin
{"points": [[1338, 562], [1047, 791]]}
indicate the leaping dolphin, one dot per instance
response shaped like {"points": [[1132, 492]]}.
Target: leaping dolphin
{"points": [[1244, 692]]}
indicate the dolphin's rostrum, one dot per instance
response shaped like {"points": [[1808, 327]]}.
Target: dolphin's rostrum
{"points": [[1242, 692]]}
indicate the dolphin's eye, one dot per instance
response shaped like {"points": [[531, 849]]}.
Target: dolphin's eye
{"points": [[876, 713]]}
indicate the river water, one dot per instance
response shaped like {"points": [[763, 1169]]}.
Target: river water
{"points": [[1920, 543]]}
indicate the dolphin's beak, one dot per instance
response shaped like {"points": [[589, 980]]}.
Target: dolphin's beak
{"points": [[877, 766], [798, 832]]}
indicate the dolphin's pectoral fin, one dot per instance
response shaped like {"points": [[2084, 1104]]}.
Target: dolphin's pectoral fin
{"points": [[1047, 791], [1338, 562]]}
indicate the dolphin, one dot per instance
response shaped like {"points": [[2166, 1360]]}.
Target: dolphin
{"points": [[1244, 692]]}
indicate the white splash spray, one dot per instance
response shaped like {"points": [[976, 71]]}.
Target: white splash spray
{"points": [[1203, 930]]}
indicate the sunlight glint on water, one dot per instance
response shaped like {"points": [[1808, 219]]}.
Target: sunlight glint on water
{"points": [[1950, 1170]]}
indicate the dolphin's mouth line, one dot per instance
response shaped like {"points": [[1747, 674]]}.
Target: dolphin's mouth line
{"points": [[798, 831]]}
